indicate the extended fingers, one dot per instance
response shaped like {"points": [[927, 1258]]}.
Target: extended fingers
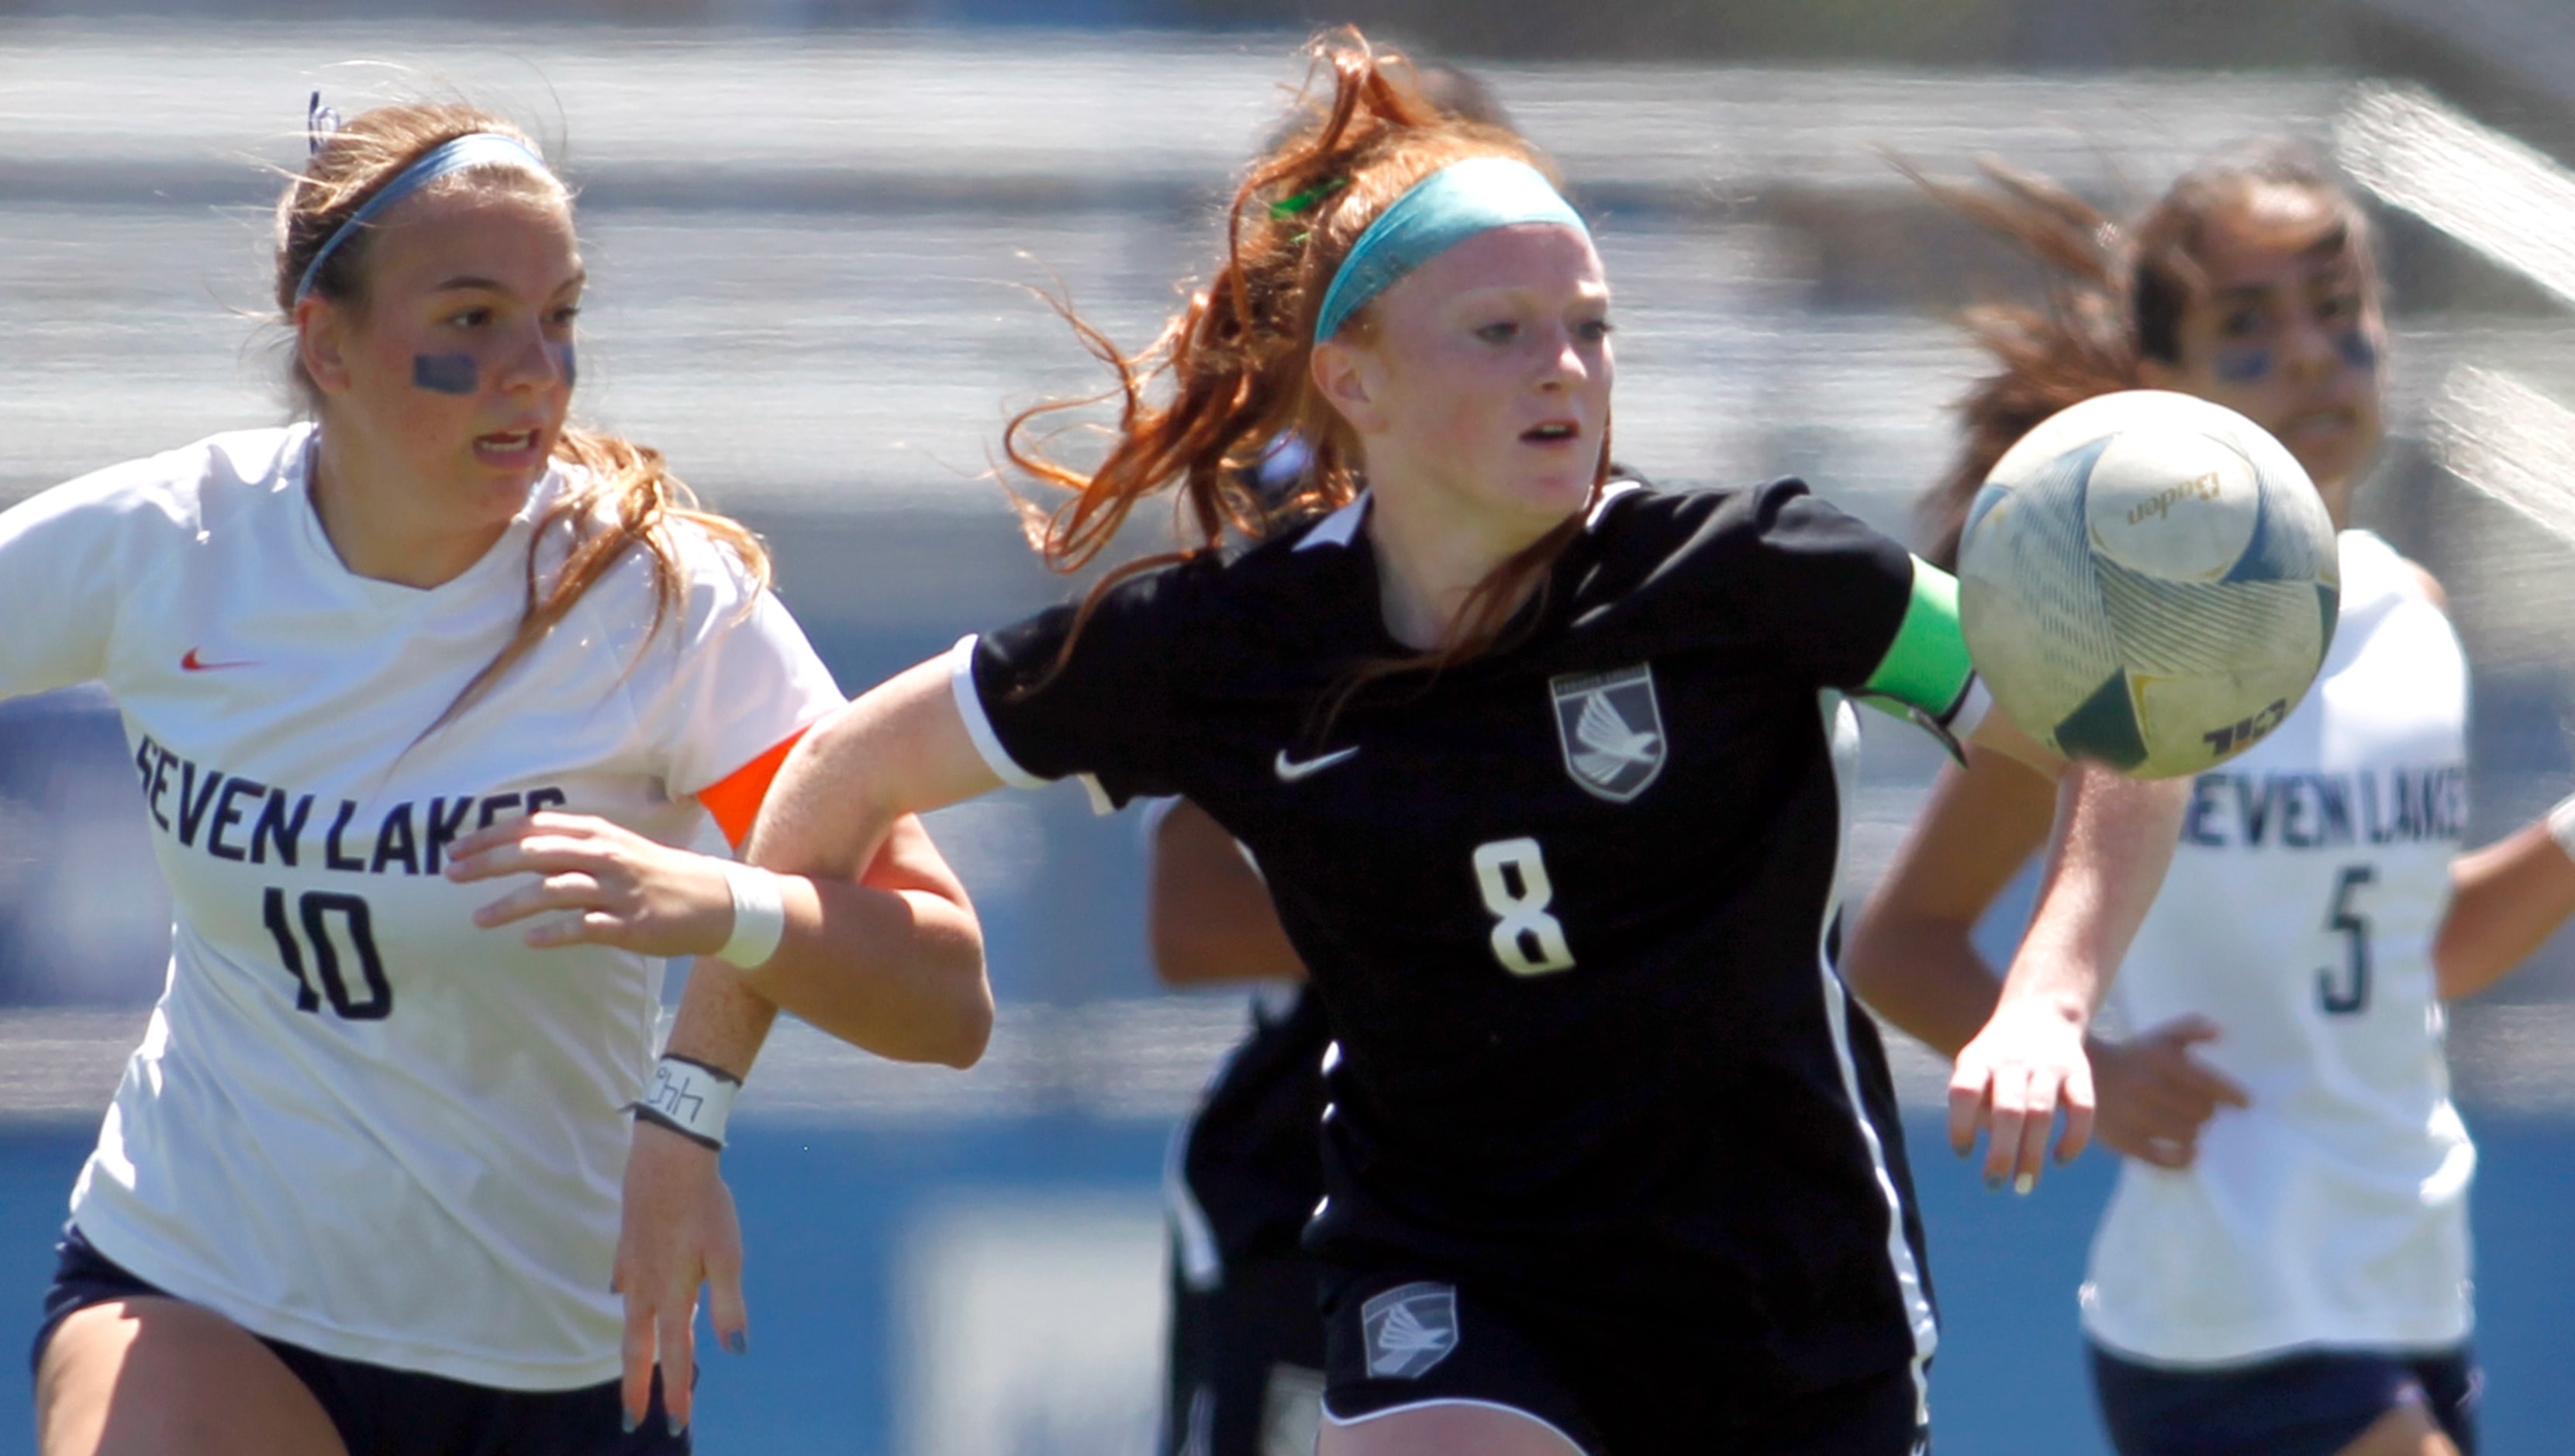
{"points": [[2078, 1101], [2006, 1119], [1970, 1102], [677, 1340], [725, 1308], [2215, 1086], [568, 890], [636, 1351], [2025, 1110]]}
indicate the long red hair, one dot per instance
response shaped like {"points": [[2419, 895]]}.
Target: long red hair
{"points": [[1236, 356]]}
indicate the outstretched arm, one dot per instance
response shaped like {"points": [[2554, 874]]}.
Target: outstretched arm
{"points": [[1911, 956], [2112, 842], [842, 799], [2505, 900]]}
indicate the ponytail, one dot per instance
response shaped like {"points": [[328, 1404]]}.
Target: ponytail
{"points": [[1238, 353]]}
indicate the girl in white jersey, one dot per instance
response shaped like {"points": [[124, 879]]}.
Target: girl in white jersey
{"points": [[359, 1191], [2285, 1269]]}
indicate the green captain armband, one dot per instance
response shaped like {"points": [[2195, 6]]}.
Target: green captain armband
{"points": [[1925, 675]]}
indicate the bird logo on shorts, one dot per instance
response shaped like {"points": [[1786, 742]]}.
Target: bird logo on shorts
{"points": [[1611, 729], [1410, 1328]]}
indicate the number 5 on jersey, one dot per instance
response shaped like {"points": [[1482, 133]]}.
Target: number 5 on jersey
{"points": [[1527, 939]]}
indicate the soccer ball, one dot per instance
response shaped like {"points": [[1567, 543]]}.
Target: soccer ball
{"points": [[2148, 581]]}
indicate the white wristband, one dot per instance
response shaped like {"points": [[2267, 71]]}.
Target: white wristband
{"points": [[691, 1098], [759, 917], [2561, 825]]}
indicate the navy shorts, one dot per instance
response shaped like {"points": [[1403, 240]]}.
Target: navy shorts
{"points": [[2312, 1403], [1246, 1363], [386, 1412], [1605, 1382]]}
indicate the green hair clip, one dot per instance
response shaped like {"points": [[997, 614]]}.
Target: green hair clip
{"points": [[1289, 207]]}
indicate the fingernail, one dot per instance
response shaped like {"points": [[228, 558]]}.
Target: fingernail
{"points": [[1994, 1182], [678, 1428], [2024, 1183], [738, 1342], [626, 1420]]}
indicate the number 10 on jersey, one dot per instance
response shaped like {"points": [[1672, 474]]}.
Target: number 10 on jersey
{"points": [[1527, 939], [316, 910]]}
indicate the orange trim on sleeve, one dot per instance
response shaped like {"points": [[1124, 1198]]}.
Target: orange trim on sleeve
{"points": [[735, 800]]}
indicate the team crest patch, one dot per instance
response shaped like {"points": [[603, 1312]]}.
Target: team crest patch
{"points": [[1410, 1328], [1611, 729]]}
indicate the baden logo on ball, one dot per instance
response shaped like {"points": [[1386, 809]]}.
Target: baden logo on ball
{"points": [[2148, 581]]}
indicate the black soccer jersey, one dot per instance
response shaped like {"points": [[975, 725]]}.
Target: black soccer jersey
{"points": [[1568, 904]]}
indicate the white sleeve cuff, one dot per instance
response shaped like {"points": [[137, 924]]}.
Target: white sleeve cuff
{"points": [[978, 727]]}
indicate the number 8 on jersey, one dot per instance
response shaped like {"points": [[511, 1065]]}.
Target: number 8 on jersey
{"points": [[1527, 939]]}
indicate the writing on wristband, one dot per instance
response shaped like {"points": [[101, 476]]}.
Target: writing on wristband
{"points": [[759, 917], [690, 1098]]}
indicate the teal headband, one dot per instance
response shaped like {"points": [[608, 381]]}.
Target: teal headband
{"points": [[479, 148], [1441, 211]]}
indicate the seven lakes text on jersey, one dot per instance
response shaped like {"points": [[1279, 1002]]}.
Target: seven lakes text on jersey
{"points": [[2379, 806], [188, 800]]}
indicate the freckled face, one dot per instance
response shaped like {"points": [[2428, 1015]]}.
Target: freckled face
{"points": [[1492, 367], [2295, 340], [459, 373]]}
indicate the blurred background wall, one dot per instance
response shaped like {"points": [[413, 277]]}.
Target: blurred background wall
{"points": [[814, 229]]}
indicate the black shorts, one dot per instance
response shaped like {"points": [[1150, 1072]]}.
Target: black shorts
{"points": [[2309, 1404], [381, 1411], [1246, 1363], [1605, 1381]]}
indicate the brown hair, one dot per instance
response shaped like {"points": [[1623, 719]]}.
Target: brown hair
{"points": [[627, 499], [1238, 353], [2119, 295]]}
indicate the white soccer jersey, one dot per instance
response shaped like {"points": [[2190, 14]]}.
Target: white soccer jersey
{"points": [[2298, 916], [357, 1122]]}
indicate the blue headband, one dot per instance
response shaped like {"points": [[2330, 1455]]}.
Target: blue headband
{"points": [[480, 149], [1442, 210]]}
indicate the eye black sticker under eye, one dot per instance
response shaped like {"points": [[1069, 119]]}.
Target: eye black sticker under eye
{"points": [[2243, 365], [2357, 350], [446, 374], [568, 359]]}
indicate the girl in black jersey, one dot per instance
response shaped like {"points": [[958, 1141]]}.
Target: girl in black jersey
{"points": [[1244, 1371], [1543, 774]]}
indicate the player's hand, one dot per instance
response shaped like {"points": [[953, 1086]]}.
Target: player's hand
{"points": [[598, 883], [2010, 1082], [679, 1234], [2156, 1097]]}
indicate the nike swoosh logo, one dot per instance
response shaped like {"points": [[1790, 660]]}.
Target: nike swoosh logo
{"points": [[194, 663], [1289, 770]]}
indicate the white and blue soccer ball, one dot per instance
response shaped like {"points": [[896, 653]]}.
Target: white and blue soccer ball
{"points": [[2148, 581]]}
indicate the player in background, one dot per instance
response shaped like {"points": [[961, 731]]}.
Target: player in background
{"points": [[2284, 1267], [1244, 1372], [1542, 778], [359, 1191]]}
